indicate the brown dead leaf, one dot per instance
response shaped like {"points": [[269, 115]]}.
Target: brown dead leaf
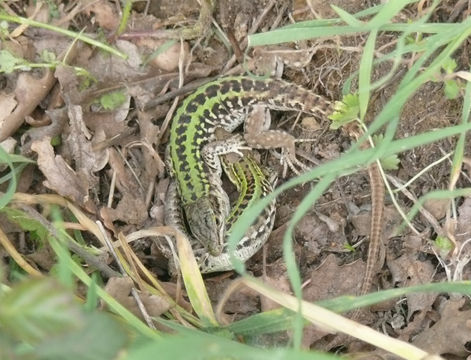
{"points": [[242, 301], [120, 289], [330, 280], [106, 123], [22, 47], [317, 235], [281, 284], [310, 123], [407, 270], [58, 119], [450, 334], [8, 226], [157, 211], [69, 83], [130, 209], [437, 207], [79, 141], [113, 70], [463, 230], [44, 257], [28, 93], [61, 178], [7, 105], [150, 137], [125, 181], [173, 291], [167, 60], [362, 222], [105, 13]]}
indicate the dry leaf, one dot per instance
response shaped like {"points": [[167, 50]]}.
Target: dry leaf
{"points": [[437, 207], [105, 13], [120, 289], [130, 209], [87, 159], [29, 92], [167, 60], [281, 284], [408, 271], [317, 235], [7, 105], [58, 119], [330, 280], [61, 178], [450, 334]]}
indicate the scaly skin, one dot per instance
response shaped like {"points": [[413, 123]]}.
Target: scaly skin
{"points": [[253, 182], [221, 103]]}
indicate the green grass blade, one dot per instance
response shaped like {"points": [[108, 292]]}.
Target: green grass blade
{"points": [[201, 346], [346, 17], [281, 319], [366, 66], [59, 30], [5, 198], [390, 9]]}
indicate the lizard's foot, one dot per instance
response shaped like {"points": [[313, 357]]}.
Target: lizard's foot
{"points": [[210, 152], [291, 162]]}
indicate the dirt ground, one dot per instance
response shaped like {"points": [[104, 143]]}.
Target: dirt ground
{"points": [[110, 162]]}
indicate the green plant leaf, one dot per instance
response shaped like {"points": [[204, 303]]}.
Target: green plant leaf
{"points": [[48, 56], [38, 309], [101, 336], [390, 162], [345, 111], [26, 223], [197, 345], [8, 61], [112, 100], [449, 65], [452, 89], [6, 158], [443, 243]]}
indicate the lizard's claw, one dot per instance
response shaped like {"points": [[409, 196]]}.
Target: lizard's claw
{"points": [[290, 161]]}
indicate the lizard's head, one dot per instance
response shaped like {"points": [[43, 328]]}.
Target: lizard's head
{"points": [[206, 225]]}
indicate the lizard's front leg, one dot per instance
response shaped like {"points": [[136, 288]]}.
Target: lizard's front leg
{"points": [[258, 135], [225, 144]]}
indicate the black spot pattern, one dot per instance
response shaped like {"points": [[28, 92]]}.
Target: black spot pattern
{"points": [[211, 91], [180, 139], [247, 84], [200, 98], [235, 85], [260, 86], [192, 107], [226, 87]]}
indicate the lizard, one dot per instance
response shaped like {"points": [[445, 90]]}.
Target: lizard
{"points": [[377, 210], [193, 151], [252, 182]]}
